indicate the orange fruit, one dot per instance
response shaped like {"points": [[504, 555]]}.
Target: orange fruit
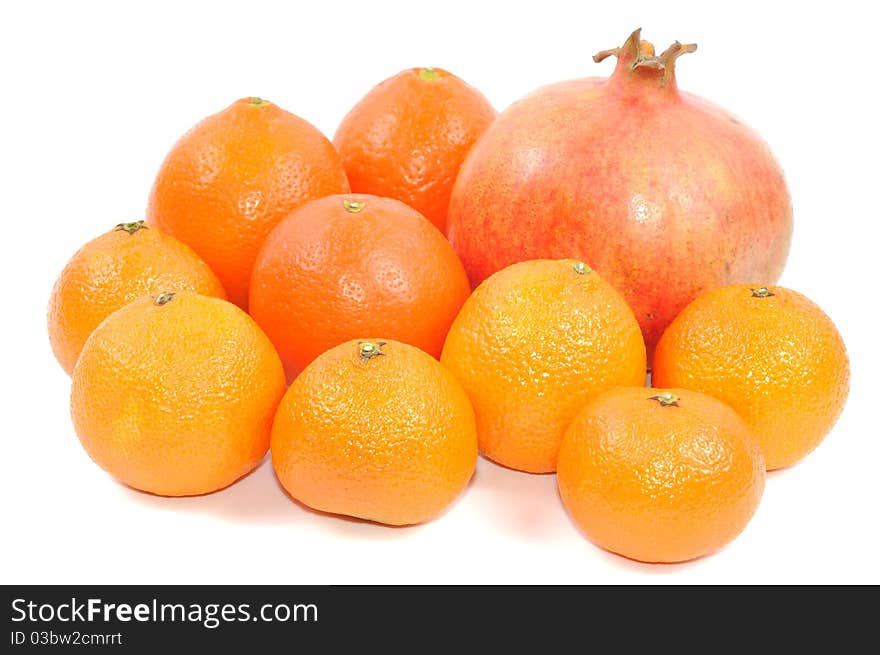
{"points": [[107, 273], [659, 475], [768, 352], [229, 180], [407, 138], [378, 430], [175, 394], [532, 344], [353, 265]]}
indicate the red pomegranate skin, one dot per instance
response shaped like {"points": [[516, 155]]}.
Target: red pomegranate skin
{"points": [[663, 193]]}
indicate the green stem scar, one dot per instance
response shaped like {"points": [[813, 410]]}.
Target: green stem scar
{"points": [[163, 298], [666, 399], [257, 101], [762, 292], [581, 269], [428, 74], [369, 349], [131, 228], [353, 206]]}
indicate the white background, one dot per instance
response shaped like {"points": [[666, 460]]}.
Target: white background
{"points": [[93, 96]]}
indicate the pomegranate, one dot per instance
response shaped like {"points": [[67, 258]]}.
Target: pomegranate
{"points": [[662, 192]]}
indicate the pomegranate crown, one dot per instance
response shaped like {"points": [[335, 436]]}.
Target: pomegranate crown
{"points": [[636, 54]]}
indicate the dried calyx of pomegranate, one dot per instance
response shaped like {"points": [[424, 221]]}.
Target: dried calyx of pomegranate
{"points": [[663, 193], [638, 55]]}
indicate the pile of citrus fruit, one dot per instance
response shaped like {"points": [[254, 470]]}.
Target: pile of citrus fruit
{"points": [[308, 297]]}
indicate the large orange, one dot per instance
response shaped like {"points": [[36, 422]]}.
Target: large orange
{"points": [[768, 352], [375, 429], [128, 262], [175, 394], [229, 180], [408, 137], [660, 475], [532, 344], [350, 266]]}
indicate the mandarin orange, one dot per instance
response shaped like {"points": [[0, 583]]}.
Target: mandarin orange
{"points": [[229, 180], [128, 262], [532, 344], [175, 394], [377, 430], [770, 353], [660, 475], [353, 265], [407, 138]]}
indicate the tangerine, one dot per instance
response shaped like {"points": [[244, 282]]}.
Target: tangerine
{"points": [[407, 138], [110, 271], [660, 475], [532, 344], [229, 180], [175, 394], [350, 266], [377, 430], [770, 353]]}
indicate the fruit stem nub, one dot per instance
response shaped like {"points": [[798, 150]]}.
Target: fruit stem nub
{"points": [[581, 269], [762, 292], [428, 74], [163, 298], [666, 399], [353, 206], [132, 227], [369, 349]]}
